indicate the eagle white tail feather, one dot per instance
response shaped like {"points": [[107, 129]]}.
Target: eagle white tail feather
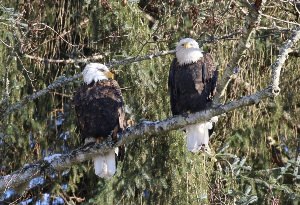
{"points": [[197, 136], [105, 165]]}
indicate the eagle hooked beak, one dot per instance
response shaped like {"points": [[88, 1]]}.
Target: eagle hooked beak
{"points": [[110, 74], [187, 45]]}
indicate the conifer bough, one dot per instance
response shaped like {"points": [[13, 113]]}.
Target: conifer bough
{"points": [[60, 162]]}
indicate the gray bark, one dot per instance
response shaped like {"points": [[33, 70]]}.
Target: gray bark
{"points": [[61, 162], [251, 23]]}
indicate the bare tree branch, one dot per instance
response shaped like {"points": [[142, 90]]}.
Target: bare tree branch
{"points": [[213, 39], [252, 21], [6, 111], [139, 58], [99, 57], [65, 61], [62, 80], [126, 60], [281, 20], [283, 54], [59, 162]]}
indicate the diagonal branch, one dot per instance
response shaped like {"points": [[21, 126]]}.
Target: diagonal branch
{"points": [[61, 81], [252, 21], [283, 55], [59, 162], [6, 111]]}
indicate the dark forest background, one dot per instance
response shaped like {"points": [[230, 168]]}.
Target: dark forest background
{"points": [[255, 148]]}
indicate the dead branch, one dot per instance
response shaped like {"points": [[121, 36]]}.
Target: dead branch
{"points": [[252, 22], [283, 55], [6, 111], [65, 61], [58, 162], [62, 80]]}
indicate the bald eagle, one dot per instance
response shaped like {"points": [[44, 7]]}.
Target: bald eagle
{"points": [[192, 83], [100, 113]]}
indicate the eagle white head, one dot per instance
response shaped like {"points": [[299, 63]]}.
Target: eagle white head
{"points": [[188, 51], [95, 72]]}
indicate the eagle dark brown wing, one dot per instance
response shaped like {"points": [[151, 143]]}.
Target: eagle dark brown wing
{"points": [[99, 109], [192, 86]]}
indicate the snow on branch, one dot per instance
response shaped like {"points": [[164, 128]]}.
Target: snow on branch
{"points": [[62, 80], [60, 162], [251, 23], [283, 54]]}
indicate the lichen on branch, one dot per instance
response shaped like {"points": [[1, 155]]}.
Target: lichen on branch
{"points": [[59, 162], [251, 23], [282, 56]]}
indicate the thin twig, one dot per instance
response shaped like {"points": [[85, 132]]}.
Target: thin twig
{"points": [[139, 58], [65, 61], [53, 30], [281, 20], [127, 60]]}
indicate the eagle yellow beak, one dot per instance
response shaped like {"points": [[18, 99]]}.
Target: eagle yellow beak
{"points": [[187, 45], [110, 75]]}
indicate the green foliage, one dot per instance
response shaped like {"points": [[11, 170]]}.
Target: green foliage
{"points": [[156, 169]]}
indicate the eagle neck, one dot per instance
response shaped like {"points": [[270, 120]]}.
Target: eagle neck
{"points": [[94, 77], [188, 56]]}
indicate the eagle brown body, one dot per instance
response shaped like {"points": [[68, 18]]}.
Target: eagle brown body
{"points": [[99, 109], [192, 82], [193, 85], [100, 114]]}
